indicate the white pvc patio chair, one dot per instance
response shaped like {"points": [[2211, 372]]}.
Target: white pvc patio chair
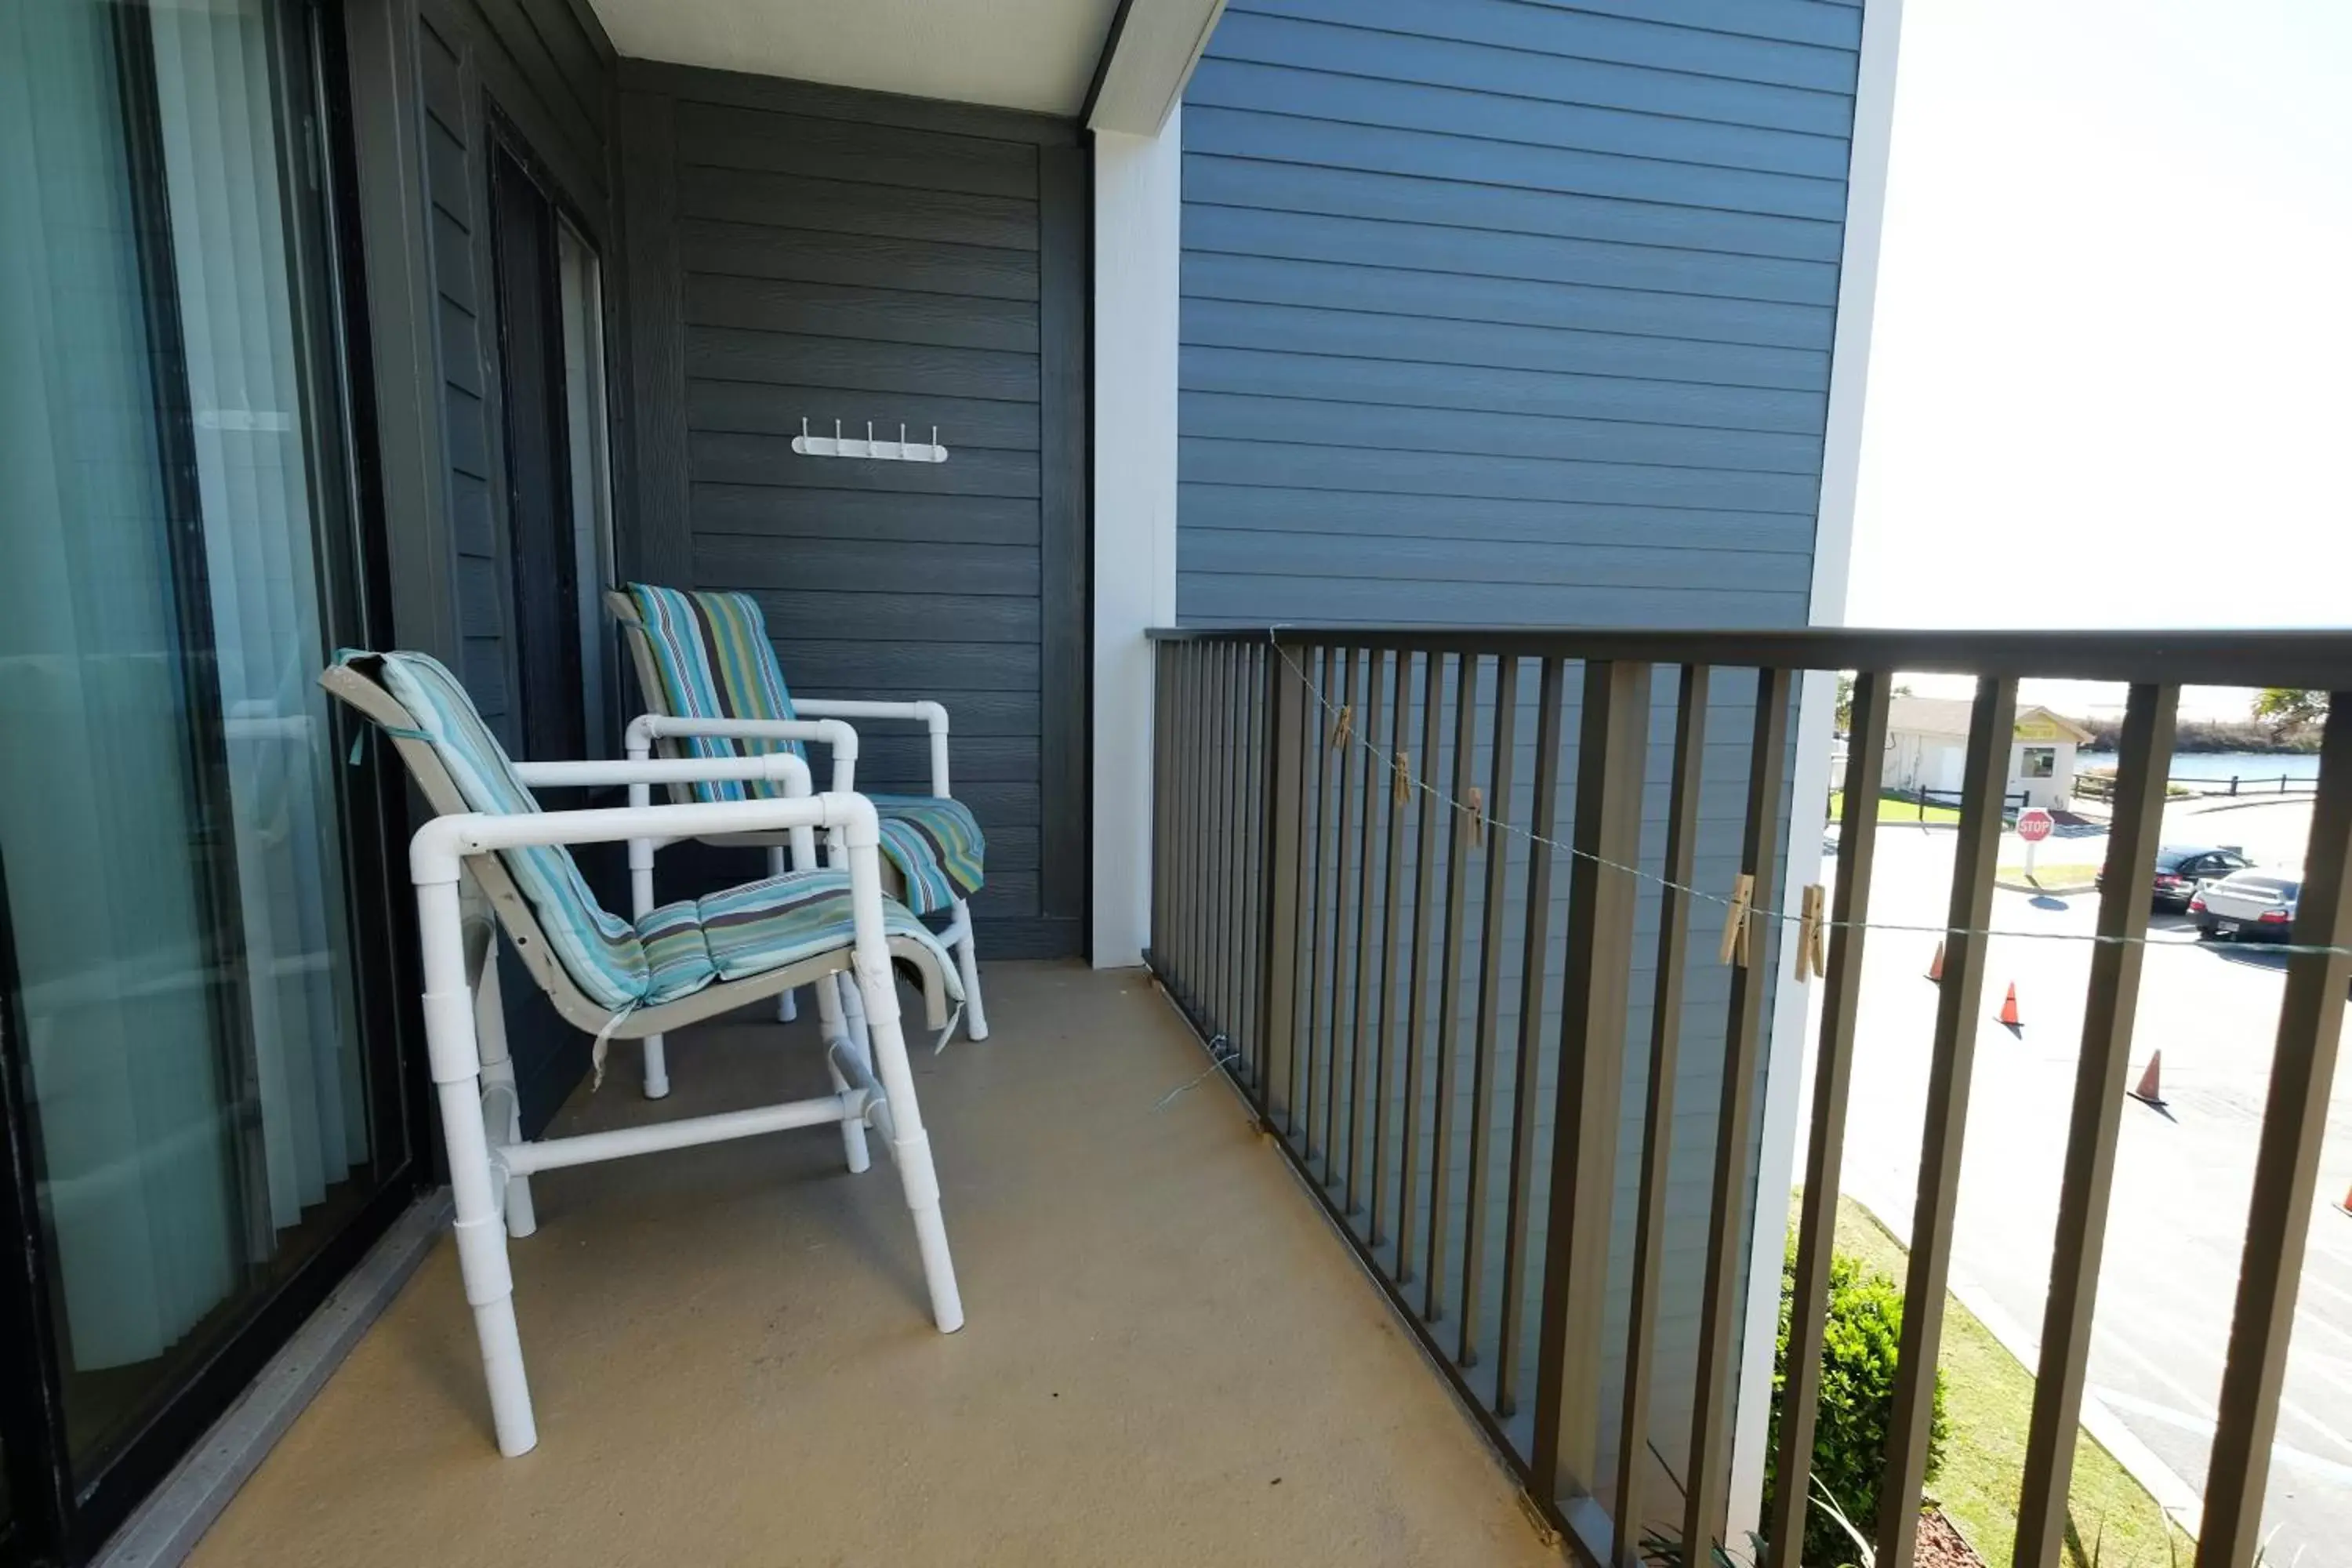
{"points": [[673, 965], [712, 688]]}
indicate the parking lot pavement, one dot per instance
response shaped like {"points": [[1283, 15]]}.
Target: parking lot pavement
{"points": [[2169, 1277]]}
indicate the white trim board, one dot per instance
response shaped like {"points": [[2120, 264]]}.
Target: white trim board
{"points": [[1865, 213], [1139, 219]]}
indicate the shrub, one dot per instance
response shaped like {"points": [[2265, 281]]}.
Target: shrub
{"points": [[1863, 1332]]}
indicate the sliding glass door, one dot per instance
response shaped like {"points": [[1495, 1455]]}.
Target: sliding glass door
{"points": [[204, 1089]]}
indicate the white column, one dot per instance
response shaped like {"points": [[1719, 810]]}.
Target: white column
{"points": [[1785, 1112], [1138, 224]]}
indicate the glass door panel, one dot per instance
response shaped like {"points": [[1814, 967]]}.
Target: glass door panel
{"points": [[173, 814]]}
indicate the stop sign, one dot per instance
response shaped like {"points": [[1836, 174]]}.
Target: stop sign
{"points": [[2033, 825]]}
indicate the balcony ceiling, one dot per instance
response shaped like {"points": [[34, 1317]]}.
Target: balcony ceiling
{"points": [[1035, 54]]}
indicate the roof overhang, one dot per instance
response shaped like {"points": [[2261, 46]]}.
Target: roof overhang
{"points": [[1118, 65]]}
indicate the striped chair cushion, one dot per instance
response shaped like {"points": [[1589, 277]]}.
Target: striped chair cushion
{"points": [[716, 662], [937, 846], [765, 925], [599, 951]]}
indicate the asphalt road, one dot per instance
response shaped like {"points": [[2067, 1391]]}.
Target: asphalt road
{"points": [[2183, 1183]]}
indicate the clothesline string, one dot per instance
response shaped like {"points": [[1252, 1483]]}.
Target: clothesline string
{"points": [[1345, 731]]}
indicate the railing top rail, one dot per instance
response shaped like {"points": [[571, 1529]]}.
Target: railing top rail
{"points": [[2264, 657]]}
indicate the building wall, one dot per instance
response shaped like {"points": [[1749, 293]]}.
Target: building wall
{"points": [[547, 70], [805, 253], [1502, 312], [432, 82]]}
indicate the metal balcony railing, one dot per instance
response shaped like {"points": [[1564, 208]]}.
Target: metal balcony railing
{"points": [[1358, 834]]}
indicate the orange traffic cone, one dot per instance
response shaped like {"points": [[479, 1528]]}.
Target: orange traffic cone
{"points": [[2009, 1011], [1936, 965], [2148, 1093]]}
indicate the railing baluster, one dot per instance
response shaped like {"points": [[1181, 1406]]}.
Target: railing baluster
{"points": [[1214, 838], [1984, 784], [1658, 1114], [1283, 705], [1339, 1140], [2286, 1161], [1417, 999], [1361, 1039], [1611, 763], [1310, 891], [1330, 902], [1231, 938], [1384, 1021], [1865, 767], [1163, 795], [1534, 972], [1490, 995], [1458, 831], [1707, 1480], [1251, 866], [1204, 732], [2098, 1119], [1180, 944]]}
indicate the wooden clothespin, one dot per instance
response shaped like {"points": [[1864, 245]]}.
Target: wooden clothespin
{"points": [[1477, 817], [1403, 770], [1820, 944], [1734, 946], [1808, 930], [1343, 724]]}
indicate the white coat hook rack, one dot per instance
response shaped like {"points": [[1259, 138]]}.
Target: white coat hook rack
{"points": [[898, 451]]}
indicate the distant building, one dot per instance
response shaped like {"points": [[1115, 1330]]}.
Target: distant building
{"points": [[1927, 740]]}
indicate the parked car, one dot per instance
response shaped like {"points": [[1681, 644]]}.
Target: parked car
{"points": [[2257, 905], [2180, 866]]}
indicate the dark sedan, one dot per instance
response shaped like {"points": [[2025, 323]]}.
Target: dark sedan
{"points": [[2180, 866]]}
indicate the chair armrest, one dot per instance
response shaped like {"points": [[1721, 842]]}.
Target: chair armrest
{"points": [[932, 716], [773, 767], [435, 854], [841, 739]]}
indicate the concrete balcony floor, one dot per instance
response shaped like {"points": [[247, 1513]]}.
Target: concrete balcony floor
{"points": [[1169, 1358]]}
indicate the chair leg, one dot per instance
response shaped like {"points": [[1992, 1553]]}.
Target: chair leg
{"points": [[498, 1081], [641, 904], [833, 1027], [854, 1012], [910, 1146], [456, 1065], [787, 1009], [975, 1019]]}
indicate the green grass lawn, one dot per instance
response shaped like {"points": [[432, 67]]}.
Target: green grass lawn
{"points": [[1988, 1403], [1894, 808]]}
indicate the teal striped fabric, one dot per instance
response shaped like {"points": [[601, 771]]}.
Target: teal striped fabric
{"points": [[765, 925], [716, 662], [937, 846], [599, 951]]}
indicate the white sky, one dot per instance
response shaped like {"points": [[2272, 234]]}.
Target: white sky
{"points": [[2111, 376]]}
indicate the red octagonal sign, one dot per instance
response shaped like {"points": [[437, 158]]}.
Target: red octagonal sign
{"points": [[2033, 825]]}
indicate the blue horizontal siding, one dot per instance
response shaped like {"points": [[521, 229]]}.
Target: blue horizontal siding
{"points": [[1505, 311]]}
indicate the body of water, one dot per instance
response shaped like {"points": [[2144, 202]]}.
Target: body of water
{"points": [[2251, 768]]}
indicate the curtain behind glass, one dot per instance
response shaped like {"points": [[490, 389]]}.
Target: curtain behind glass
{"points": [[95, 787], [168, 813], [230, 246]]}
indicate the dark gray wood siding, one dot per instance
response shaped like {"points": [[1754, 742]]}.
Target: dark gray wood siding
{"points": [[809, 254], [435, 81], [1508, 312], [546, 69]]}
